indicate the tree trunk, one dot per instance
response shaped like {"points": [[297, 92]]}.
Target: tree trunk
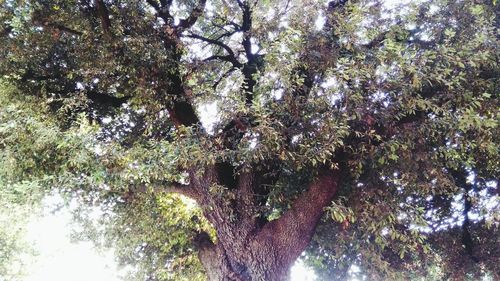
{"points": [[246, 252], [260, 263]]}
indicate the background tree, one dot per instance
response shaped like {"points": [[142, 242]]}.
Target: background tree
{"points": [[19, 199], [362, 133], [14, 214]]}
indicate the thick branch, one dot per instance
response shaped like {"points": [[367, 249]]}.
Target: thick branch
{"points": [[41, 20], [226, 58], [215, 260], [182, 113], [155, 5], [292, 232], [180, 109], [245, 202]]}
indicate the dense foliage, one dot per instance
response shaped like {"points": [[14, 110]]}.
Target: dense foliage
{"points": [[19, 197], [200, 125]]}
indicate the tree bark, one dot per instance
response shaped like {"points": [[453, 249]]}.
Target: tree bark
{"points": [[247, 252]]}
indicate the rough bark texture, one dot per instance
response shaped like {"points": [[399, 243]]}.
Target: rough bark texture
{"points": [[248, 251]]}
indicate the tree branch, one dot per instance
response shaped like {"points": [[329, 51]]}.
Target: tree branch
{"points": [[227, 58], [292, 232], [155, 5], [226, 74], [460, 178], [236, 26], [174, 187], [240, 3], [180, 109], [63, 28], [250, 67], [193, 17], [6, 31], [104, 16], [245, 28], [163, 10], [104, 99], [230, 57]]}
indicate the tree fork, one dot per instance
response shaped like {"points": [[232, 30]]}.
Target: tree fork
{"points": [[270, 251]]}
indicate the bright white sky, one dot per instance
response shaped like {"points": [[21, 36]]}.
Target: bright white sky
{"points": [[59, 259]]}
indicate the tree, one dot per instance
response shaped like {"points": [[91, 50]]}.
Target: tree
{"points": [[19, 199], [358, 133], [18, 205]]}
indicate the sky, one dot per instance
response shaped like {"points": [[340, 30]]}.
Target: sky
{"points": [[58, 258]]}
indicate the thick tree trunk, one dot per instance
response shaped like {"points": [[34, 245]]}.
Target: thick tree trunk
{"points": [[260, 263], [246, 252]]}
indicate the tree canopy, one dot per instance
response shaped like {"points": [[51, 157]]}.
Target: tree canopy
{"points": [[224, 139]]}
